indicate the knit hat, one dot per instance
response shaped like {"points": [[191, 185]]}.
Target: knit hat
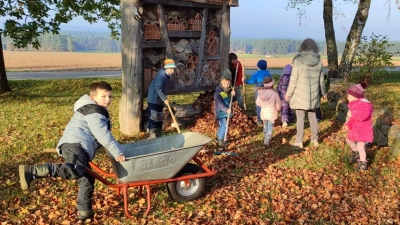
{"points": [[287, 69], [262, 64], [269, 81], [169, 63], [226, 74], [357, 90]]}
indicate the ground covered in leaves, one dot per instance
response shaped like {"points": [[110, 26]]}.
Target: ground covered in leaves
{"points": [[275, 185]]}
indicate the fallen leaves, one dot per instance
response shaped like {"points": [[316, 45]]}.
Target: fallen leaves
{"points": [[275, 185]]}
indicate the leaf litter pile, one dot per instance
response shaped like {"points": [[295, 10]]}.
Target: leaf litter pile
{"points": [[206, 123], [275, 185]]}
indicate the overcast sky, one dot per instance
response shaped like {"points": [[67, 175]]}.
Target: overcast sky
{"points": [[270, 19]]}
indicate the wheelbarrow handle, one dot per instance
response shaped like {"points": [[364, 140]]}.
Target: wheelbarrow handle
{"points": [[173, 117]]}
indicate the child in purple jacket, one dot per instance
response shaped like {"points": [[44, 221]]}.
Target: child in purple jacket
{"points": [[359, 125], [287, 113]]}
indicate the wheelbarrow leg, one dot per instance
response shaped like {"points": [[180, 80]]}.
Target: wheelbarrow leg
{"points": [[140, 190], [148, 200], [126, 201], [118, 191]]}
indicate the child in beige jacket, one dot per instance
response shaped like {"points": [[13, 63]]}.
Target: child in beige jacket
{"points": [[270, 103]]}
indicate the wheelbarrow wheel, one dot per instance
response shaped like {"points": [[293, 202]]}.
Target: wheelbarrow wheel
{"points": [[179, 191]]}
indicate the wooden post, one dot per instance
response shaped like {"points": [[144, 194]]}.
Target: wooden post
{"points": [[131, 104], [225, 36], [201, 47]]}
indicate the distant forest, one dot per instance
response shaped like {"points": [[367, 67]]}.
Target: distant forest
{"points": [[80, 41]]}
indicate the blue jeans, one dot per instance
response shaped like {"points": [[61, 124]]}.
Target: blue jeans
{"points": [[268, 128], [221, 128]]}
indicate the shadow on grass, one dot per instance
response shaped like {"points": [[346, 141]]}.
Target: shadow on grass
{"points": [[253, 156]]}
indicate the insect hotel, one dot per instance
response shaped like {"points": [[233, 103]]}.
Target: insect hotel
{"points": [[194, 33]]}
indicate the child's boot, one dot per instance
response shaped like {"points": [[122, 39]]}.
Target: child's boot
{"points": [[158, 131], [28, 173], [152, 133], [362, 165], [354, 157], [86, 214]]}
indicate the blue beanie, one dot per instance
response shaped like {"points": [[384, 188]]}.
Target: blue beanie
{"points": [[262, 64]]}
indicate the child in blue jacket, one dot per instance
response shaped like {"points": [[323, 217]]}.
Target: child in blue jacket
{"points": [[222, 97], [257, 80]]}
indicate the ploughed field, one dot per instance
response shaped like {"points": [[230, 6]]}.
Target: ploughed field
{"points": [[61, 61]]}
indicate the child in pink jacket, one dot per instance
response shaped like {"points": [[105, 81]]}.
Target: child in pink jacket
{"points": [[359, 125], [270, 103]]}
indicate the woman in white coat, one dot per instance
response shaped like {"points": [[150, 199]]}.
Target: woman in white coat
{"points": [[303, 94]]}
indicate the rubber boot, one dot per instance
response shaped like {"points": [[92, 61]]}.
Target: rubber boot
{"points": [[158, 131], [152, 133], [28, 173], [355, 156], [87, 214]]}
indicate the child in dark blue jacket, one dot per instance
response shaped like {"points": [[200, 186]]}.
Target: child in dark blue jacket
{"points": [[257, 80], [222, 97]]}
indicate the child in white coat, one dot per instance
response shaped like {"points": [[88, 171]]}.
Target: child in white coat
{"points": [[270, 103]]}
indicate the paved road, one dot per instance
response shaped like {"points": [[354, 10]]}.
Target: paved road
{"points": [[99, 74], [61, 75]]}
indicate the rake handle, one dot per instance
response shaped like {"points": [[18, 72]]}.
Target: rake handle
{"points": [[173, 117]]}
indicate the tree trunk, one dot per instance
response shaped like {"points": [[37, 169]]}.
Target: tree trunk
{"points": [[4, 87], [131, 105], [353, 39], [330, 40]]}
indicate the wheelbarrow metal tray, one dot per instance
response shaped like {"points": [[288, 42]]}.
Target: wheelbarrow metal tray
{"points": [[158, 158]]}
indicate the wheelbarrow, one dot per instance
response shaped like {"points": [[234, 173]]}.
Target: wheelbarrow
{"points": [[160, 160]]}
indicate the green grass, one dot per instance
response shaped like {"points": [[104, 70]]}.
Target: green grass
{"points": [[277, 179]]}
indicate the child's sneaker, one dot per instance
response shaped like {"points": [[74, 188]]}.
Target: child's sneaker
{"points": [[298, 145], [221, 144], [361, 165], [266, 141], [355, 156]]}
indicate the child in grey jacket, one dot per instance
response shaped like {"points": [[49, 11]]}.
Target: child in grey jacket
{"points": [[86, 132]]}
